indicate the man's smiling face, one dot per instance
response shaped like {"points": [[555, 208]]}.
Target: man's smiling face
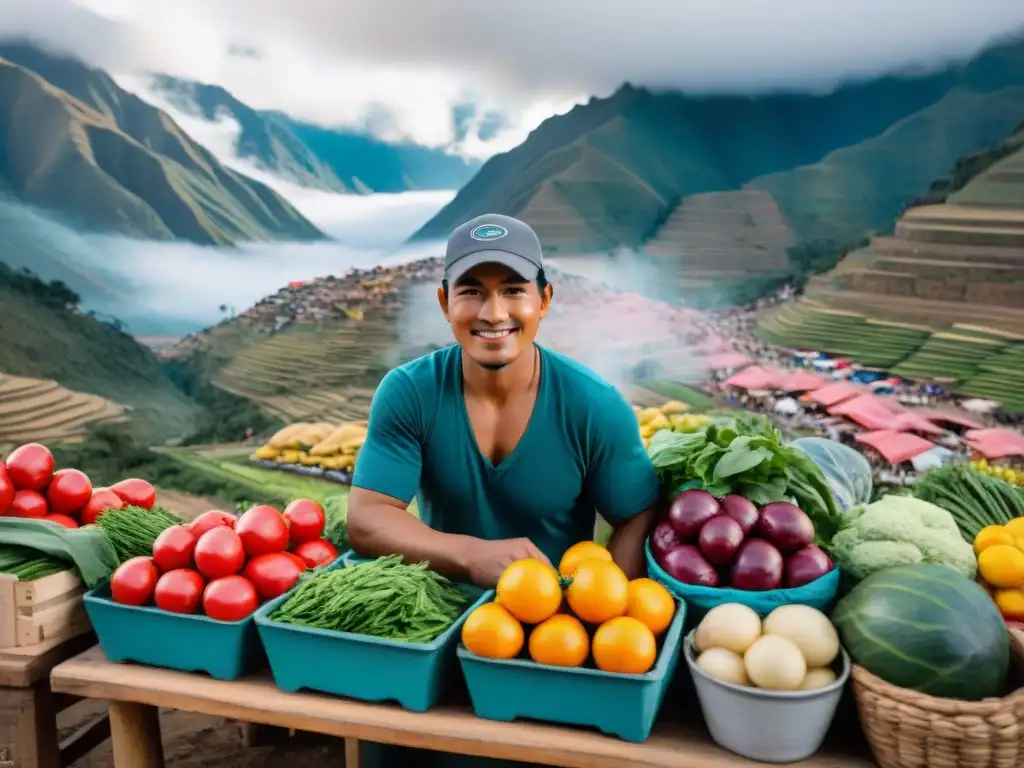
{"points": [[494, 313]]}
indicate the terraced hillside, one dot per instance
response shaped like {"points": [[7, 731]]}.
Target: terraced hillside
{"points": [[976, 361], [322, 373], [814, 326], [40, 410], [722, 235]]}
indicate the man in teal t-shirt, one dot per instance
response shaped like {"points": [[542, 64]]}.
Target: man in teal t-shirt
{"points": [[510, 449]]}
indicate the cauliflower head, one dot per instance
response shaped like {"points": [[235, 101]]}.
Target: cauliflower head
{"points": [[897, 530]]}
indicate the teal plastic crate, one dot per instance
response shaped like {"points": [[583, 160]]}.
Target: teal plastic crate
{"points": [[619, 705], [225, 650], [360, 666]]}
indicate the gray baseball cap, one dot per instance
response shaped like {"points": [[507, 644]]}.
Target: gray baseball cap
{"points": [[493, 239]]}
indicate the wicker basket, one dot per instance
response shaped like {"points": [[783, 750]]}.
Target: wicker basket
{"points": [[907, 729]]}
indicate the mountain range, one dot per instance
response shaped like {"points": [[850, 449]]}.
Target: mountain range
{"points": [[336, 160], [610, 172], [75, 143]]}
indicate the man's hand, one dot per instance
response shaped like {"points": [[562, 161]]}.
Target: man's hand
{"points": [[486, 560]]}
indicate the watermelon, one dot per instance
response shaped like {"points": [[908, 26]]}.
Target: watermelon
{"points": [[926, 627]]}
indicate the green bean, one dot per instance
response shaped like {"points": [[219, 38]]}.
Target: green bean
{"points": [[383, 598]]}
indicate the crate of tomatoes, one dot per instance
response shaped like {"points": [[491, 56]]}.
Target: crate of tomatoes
{"points": [[190, 605]]}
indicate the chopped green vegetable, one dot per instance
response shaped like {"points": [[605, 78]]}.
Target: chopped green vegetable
{"points": [[746, 456], [383, 598], [132, 530], [336, 526], [974, 498], [86, 549]]}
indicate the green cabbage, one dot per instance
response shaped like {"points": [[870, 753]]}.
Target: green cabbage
{"points": [[848, 473]]}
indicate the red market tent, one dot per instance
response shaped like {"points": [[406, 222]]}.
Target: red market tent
{"points": [[996, 443], [836, 392], [873, 412], [895, 447]]}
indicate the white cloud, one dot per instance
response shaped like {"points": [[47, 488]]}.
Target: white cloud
{"points": [[341, 63]]}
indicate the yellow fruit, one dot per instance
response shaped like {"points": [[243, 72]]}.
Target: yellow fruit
{"points": [[1010, 603], [624, 645], [561, 641], [651, 604], [1015, 527], [577, 553], [599, 591], [1002, 566], [991, 536], [492, 632], [530, 590]]}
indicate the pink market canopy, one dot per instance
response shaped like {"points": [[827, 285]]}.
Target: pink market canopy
{"points": [[895, 447], [836, 392], [755, 377], [996, 443]]}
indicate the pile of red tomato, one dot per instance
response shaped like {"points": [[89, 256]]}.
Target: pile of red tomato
{"points": [[226, 567], [29, 487]]}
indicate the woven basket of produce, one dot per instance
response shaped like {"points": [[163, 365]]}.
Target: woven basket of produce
{"points": [[908, 729]]}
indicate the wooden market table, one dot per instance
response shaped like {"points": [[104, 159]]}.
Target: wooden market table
{"points": [[29, 708], [135, 693]]}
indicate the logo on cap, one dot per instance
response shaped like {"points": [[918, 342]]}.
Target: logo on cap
{"points": [[487, 232]]}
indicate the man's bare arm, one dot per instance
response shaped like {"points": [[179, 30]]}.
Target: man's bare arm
{"points": [[381, 525], [627, 544]]}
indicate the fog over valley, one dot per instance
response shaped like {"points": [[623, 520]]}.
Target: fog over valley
{"points": [[172, 288]]}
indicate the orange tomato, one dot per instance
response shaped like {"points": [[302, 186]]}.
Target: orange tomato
{"points": [[530, 591], [624, 645], [651, 604], [577, 553], [561, 641], [599, 591], [492, 632]]}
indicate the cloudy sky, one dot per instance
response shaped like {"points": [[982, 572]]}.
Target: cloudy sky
{"points": [[402, 66]]}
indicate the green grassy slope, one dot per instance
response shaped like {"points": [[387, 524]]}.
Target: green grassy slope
{"points": [[77, 144]]}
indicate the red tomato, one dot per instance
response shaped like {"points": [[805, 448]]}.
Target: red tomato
{"points": [[133, 581], [101, 500], [263, 531], [6, 490], [305, 520], [173, 548], [30, 467], [272, 574], [298, 560], [219, 552], [179, 591], [59, 519], [69, 491], [135, 493], [28, 504], [211, 519], [231, 598], [316, 553]]}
